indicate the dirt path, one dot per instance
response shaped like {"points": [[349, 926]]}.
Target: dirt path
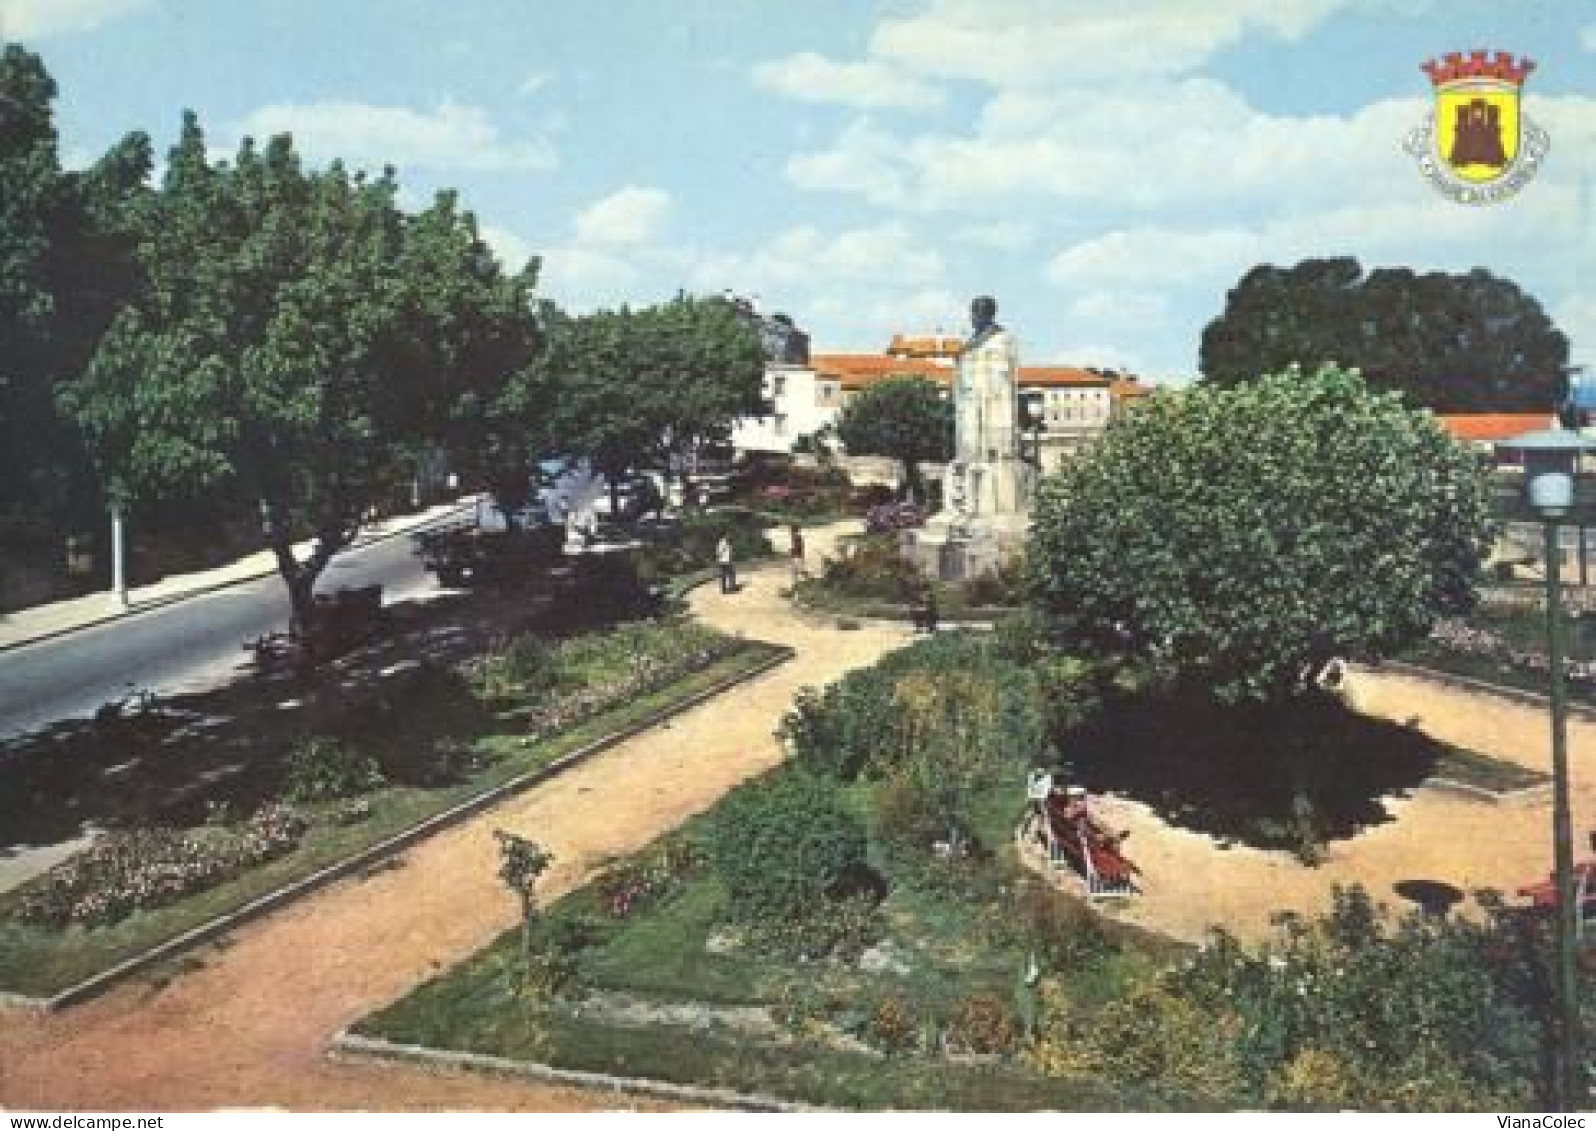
{"points": [[248, 1026], [1192, 881]]}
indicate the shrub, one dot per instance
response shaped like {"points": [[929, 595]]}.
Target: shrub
{"points": [[642, 881], [321, 769], [520, 665], [1004, 585], [1061, 932], [1460, 1006], [889, 518], [873, 571], [983, 1024], [839, 929], [781, 844], [1151, 1036], [145, 868], [894, 1025]]}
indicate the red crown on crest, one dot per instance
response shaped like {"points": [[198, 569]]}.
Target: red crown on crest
{"points": [[1500, 66]]}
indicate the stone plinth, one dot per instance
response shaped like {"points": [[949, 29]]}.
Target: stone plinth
{"points": [[948, 550]]}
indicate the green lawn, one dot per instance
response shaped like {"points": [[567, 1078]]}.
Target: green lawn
{"points": [[662, 953], [40, 962]]}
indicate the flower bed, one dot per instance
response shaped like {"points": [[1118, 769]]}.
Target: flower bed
{"points": [[977, 990], [129, 871], [139, 889]]}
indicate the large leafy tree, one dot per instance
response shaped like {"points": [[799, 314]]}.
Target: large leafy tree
{"points": [[65, 267], [1241, 538], [1453, 343], [295, 339], [903, 418], [629, 388]]}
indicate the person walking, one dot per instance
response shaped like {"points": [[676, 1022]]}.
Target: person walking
{"points": [[795, 551], [728, 571]]}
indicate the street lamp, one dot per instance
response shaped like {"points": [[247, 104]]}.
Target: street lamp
{"points": [[1551, 457]]}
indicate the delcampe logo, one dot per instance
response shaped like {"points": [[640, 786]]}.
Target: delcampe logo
{"points": [[1478, 146]]}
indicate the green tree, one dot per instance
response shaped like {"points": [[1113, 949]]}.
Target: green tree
{"points": [[65, 267], [293, 342], [903, 418], [625, 389], [702, 367], [1242, 538], [1452, 343]]}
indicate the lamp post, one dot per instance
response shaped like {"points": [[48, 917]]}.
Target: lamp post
{"points": [[1550, 459]]}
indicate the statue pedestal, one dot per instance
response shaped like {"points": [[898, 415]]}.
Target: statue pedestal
{"points": [[951, 548]]}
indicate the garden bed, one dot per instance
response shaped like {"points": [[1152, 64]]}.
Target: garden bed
{"points": [[852, 931], [668, 997], [1504, 642], [519, 738]]}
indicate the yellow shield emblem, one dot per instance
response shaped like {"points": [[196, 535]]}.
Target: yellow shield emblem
{"points": [[1476, 129], [1478, 147]]}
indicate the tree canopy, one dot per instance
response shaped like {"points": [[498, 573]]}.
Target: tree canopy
{"points": [[294, 337], [1241, 538], [628, 388], [903, 418], [1453, 343], [65, 267]]}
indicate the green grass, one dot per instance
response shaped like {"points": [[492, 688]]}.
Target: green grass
{"points": [[1523, 629], [40, 962], [659, 953], [1491, 774]]}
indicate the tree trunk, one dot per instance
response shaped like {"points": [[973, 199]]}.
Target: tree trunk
{"points": [[615, 498], [911, 480]]}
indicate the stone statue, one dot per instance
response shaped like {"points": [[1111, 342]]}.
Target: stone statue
{"points": [[984, 478], [986, 487]]}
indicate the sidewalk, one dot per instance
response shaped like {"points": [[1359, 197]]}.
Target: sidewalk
{"points": [[24, 626]]}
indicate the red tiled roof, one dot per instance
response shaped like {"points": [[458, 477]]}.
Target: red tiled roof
{"points": [[1490, 427], [925, 346], [856, 370]]}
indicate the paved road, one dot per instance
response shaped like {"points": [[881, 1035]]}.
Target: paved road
{"points": [[187, 644]]}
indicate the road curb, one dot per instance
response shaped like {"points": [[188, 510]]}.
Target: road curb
{"points": [[156, 603], [97, 984]]}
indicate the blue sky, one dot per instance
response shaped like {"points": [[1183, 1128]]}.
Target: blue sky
{"points": [[1106, 170]]}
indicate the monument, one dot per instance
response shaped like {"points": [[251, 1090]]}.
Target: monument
{"points": [[986, 488]]}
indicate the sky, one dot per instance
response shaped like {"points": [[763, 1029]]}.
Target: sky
{"points": [[1106, 170]]}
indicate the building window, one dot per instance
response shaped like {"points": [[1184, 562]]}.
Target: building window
{"points": [[781, 424], [778, 385]]}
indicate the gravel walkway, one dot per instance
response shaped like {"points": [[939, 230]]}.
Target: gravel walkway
{"points": [[246, 1024]]}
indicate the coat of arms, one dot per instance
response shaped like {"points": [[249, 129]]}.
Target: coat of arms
{"points": [[1478, 146]]}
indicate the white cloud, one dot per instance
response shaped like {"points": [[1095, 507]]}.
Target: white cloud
{"points": [[805, 259], [449, 137], [582, 279], [870, 85], [39, 19], [1007, 43], [1004, 235], [1180, 143], [632, 215], [513, 252], [534, 82]]}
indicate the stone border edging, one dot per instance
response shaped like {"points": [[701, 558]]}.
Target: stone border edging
{"points": [[222, 924], [156, 603], [345, 1043], [1521, 796], [1470, 683]]}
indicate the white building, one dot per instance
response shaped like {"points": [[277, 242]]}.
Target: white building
{"points": [[802, 402]]}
